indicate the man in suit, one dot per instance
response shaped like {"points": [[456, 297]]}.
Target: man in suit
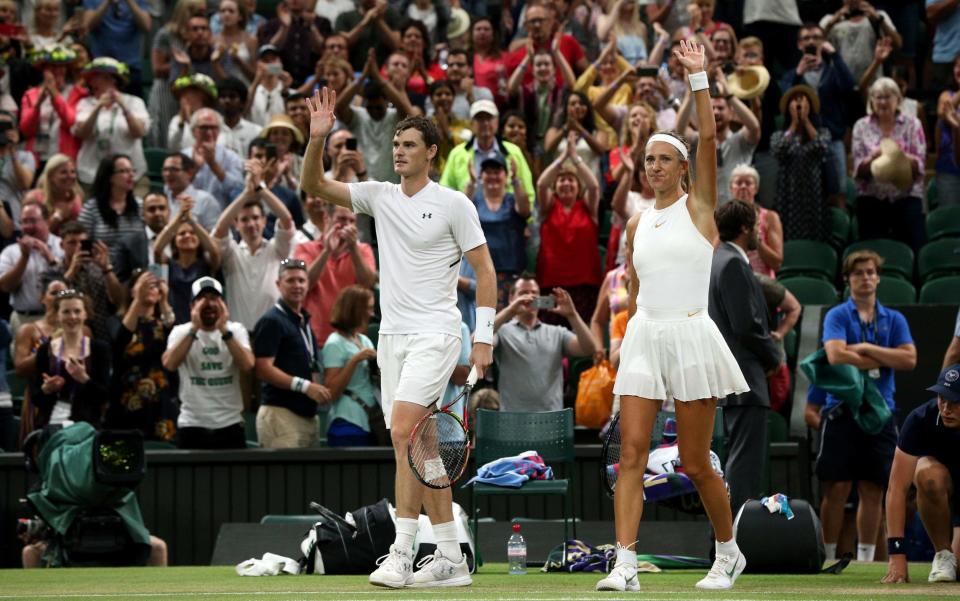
{"points": [[135, 250], [737, 307]]}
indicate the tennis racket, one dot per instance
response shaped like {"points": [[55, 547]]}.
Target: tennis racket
{"points": [[610, 456], [439, 445]]}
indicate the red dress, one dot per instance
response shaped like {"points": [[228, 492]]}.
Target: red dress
{"points": [[569, 255]]}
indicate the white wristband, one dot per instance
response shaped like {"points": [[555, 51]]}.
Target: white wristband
{"points": [[298, 384], [484, 330], [698, 81]]}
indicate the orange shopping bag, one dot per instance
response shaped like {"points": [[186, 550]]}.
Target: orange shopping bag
{"points": [[595, 395]]}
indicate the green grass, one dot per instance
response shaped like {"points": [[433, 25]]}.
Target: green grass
{"points": [[858, 583]]}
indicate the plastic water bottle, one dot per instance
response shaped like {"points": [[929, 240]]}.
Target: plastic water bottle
{"points": [[517, 552]]}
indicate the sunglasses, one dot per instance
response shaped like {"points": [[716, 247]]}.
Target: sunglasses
{"points": [[69, 293], [292, 264]]}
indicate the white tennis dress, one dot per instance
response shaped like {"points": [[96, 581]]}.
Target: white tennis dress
{"points": [[672, 349]]}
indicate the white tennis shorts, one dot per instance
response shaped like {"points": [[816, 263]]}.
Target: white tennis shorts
{"points": [[415, 368]]}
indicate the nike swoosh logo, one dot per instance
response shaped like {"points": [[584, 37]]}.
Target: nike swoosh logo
{"points": [[732, 569], [656, 225], [689, 314]]}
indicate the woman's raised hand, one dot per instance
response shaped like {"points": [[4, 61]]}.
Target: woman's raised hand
{"points": [[692, 56]]}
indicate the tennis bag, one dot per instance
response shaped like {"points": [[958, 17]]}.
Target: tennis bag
{"points": [[350, 544], [774, 544]]}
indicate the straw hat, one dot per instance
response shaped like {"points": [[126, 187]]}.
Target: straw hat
{"points": [[283, 120], [807, 91], [55, 55], [892, 166], [459, 23], [748, 82], [110, 66]]}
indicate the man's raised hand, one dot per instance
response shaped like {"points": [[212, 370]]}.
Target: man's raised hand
{"points": [[321, 113]]}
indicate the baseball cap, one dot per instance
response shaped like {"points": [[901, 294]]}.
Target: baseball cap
{"points": [[267, 48], [205, 283], [493, 162], [948, 384], [483, 106]]}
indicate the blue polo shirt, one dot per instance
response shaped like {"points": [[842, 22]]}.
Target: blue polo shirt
{"points": [[924, 435], [117, 34], [889, 329], [287, 337]]}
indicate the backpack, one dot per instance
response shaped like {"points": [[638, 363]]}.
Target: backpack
{"points": [[350, 544]]}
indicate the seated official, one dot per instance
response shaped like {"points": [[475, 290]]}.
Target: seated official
{"points": [[927, 456]]}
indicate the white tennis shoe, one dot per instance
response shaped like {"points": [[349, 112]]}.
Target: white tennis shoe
{"points": [[437, 570], [944, 567], [623, 577], [395, 571], [724, 572]]}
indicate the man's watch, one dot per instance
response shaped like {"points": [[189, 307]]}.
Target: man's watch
{"points": [[263, 186], [225, 336]]}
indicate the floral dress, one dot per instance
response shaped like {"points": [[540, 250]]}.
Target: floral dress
{"points": [[144, 394]]}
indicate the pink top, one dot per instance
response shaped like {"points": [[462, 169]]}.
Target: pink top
{"points": [[908, 133], [756, 262]]}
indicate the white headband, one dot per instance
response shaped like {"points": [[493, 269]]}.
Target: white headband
{"points": [[669, 140]]}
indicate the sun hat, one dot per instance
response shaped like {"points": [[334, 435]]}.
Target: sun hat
{"points": [[199, 81], [54, 55], [284, 121], [748, 82], [110, 66], [807, 91], [892, 166]]}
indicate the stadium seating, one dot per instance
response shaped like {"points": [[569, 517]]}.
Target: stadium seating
{"points": [[811, 291], [155, 158], [897, 257], [808, 258], [506, 433], [939, 258], [932, 199], [839, 228], [943, 223], [945, 290], [892, 291]]}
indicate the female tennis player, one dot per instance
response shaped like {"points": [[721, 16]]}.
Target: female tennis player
{"points": [[672, 349]]}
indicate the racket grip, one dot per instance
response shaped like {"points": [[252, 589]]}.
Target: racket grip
{"points": [[472, 376]]}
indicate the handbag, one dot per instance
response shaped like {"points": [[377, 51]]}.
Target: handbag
{"points": [[595, 396], [378, 424]]}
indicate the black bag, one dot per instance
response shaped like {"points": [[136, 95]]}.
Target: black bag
{"points": [[347, 549], [773, 544], [378, 424]]}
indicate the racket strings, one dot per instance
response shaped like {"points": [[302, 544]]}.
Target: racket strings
{"points": [[611, 460], [439, 451]]}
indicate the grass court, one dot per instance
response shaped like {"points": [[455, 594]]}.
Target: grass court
{"points": [[858, 582]]}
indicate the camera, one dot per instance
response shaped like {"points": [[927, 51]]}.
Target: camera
{"points": [[86, 245], [31, 529], [545, 302], [351, 144], [810, 49], [728, 68]]}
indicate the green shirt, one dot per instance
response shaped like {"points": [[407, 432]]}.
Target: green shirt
{"points": [[336, 353]]}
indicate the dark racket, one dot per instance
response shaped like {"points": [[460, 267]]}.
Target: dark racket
{"points": [[439, 445], [610, 456]]}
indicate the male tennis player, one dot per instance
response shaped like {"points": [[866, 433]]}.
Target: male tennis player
{"points": [[424, 230]]}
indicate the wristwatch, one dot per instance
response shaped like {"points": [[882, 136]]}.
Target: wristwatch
{"points": [[263, 186], [226, 336]]}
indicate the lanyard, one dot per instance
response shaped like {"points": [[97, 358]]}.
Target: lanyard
{"points": [[113, 119], [305, 334], [865, 326]]}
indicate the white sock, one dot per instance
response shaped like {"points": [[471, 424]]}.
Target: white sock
{"points": [[626, 556], [831, 549], [728, 548], [447, 544], [406, 532], [866, 552]]}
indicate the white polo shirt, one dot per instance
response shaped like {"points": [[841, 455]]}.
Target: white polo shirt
{"points": [[251, 279], [28, 294], [421, 243]]}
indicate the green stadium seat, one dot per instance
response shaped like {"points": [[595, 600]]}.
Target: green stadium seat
{"points": [[811, 291], [892, 291], [158, 445], [532, 258], [791, 343], [943, 223], [839, 228], [809, 258], [776, 427], [850, 191], [155, 158], [267, 8], [933, 201], [250, 427], [897, 256], [18, 385], [606, 224], [373, 332], [939, 258], [945, 290], [304, 520]]}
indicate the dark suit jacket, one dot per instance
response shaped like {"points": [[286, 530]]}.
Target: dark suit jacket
{"points": [[738, 309], [131, 252]]}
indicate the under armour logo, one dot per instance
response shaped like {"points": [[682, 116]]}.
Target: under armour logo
{"points": [[489, 324], [427, 216]]}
